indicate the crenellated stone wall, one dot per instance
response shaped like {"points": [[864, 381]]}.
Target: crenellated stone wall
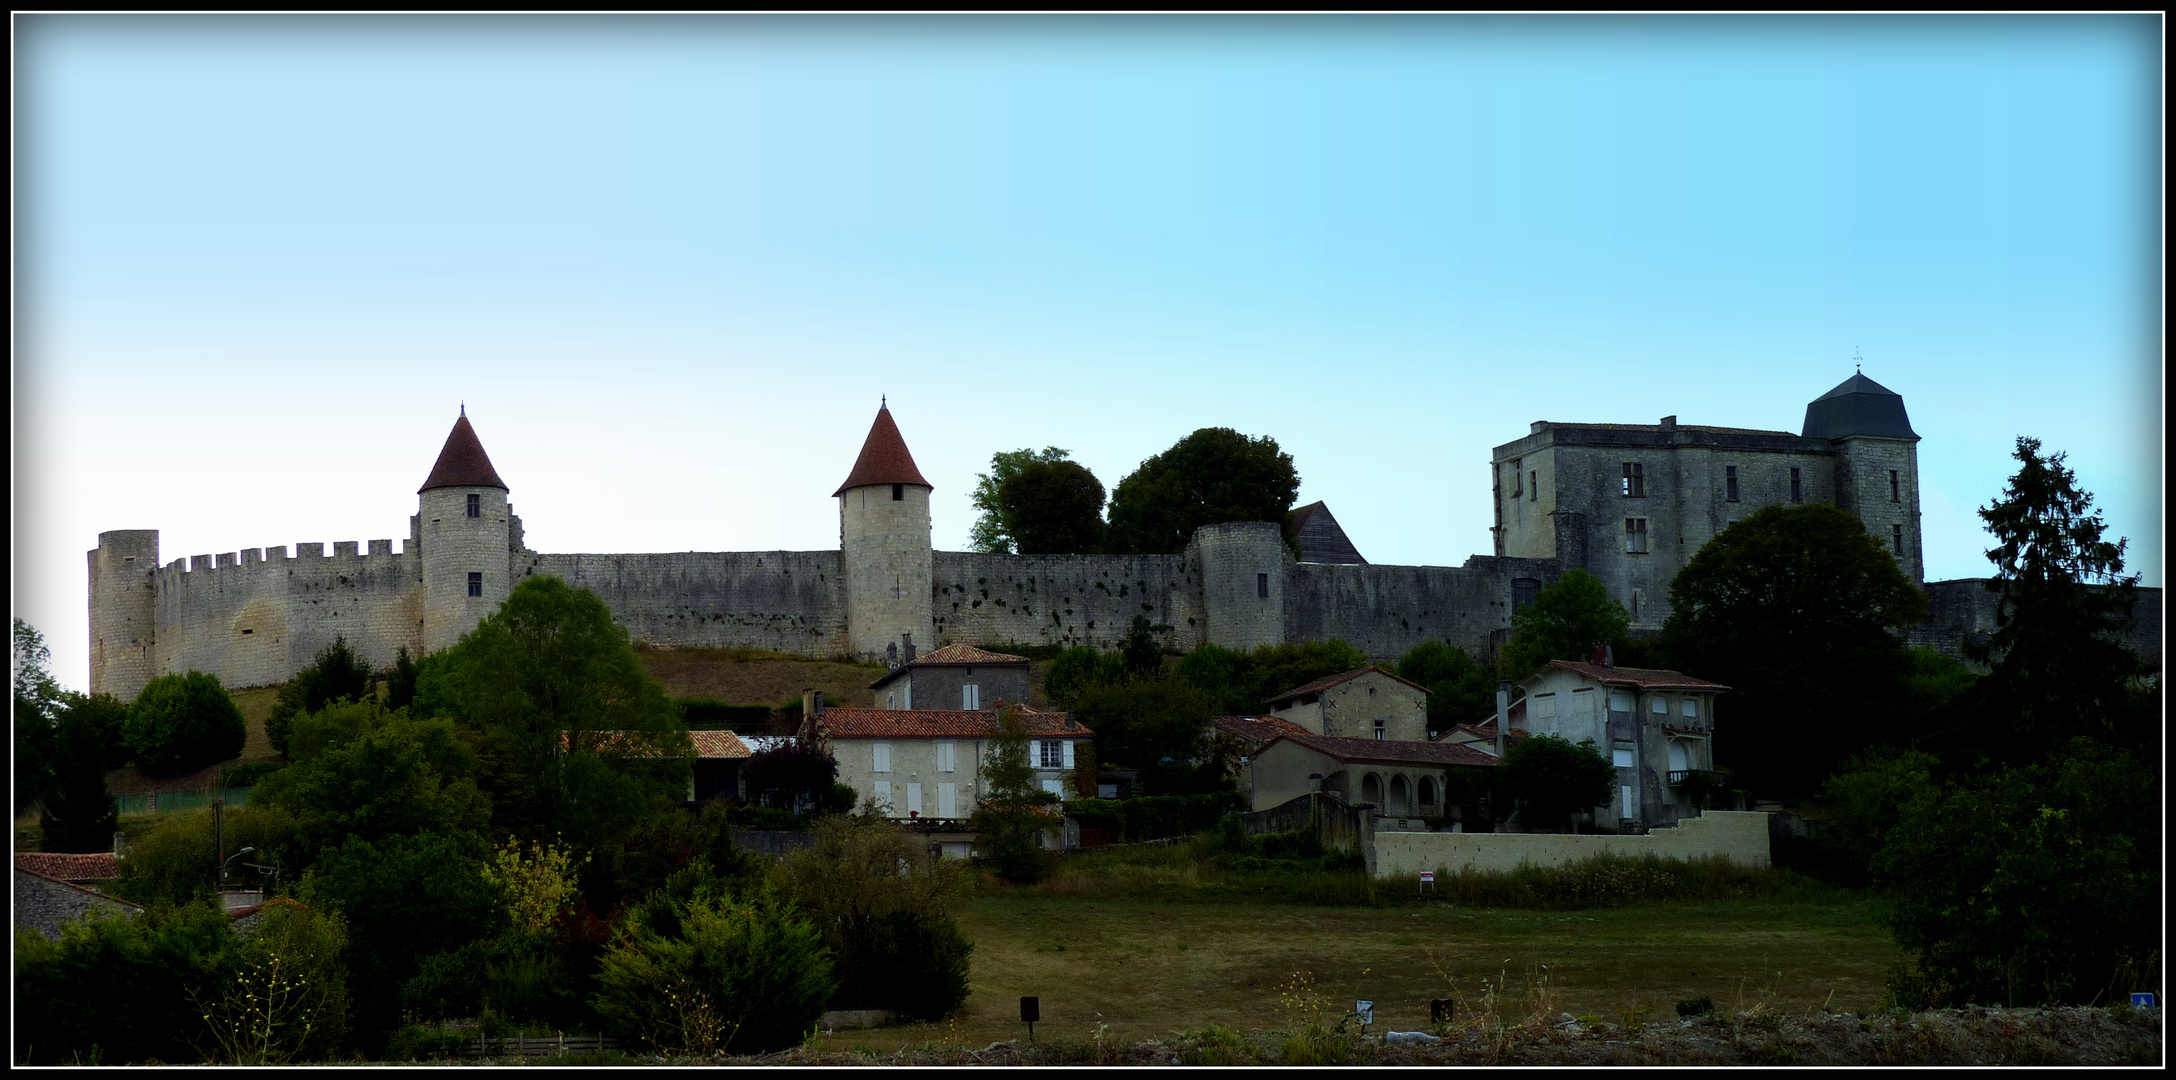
{"points": [[255, 617], [788, 601]]}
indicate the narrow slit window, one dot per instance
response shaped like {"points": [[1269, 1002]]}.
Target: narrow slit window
{"points": [[1730, 483], [1635, 480], [1261, 586], [899, 492], [1896, 538], [1798, 491], [1533, 485], [475, 583], [1517, 489], [475, 505], [1896, 489]]}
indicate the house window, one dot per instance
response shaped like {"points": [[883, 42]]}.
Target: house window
{"points": [[1658, 705], [881, 755], [1689, 707], [914, 800], [1516, 489], [1620, 701], [1730, 483], [1631, 803], [1620, 755], [1896, 538], [1635, 536], [1053, 754], [1896, 492], [970, 696], [1055, 787], [1798, 491], [948, 800], [1261, 586], [475, 584], [880, 795], [476, 504], [1381, 732], [1635, 603], [1635, 483], [1533, 485], [1541, 706], [947, 758], [899, 492]]}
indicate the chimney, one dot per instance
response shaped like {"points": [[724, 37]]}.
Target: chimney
{"points": [[1609, 656], [1503, 717], [906, 648], [1669, 424], [812, 704], [1600, 657]]}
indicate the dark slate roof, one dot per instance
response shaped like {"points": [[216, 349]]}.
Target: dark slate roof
{"points": [[1321, 540], [1642, 678], [1329, 681], [884, 459], [1858, 406], [43, 904], [1388, 751], [462, 462]]}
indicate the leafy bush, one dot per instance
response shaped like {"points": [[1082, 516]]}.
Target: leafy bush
{"points": [[338, 674], [1553, 779], [119, 990], [177, 862], [1078, 668], [1154, 817], [181, 723], [710, 714], [884, 905], [288, 1000], [414, 1042], [744, 977]]}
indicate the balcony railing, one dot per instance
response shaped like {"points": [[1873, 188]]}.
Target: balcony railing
{"points": [[1681, 777]]}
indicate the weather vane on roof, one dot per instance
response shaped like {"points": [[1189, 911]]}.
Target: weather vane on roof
{"points": [[883, 401], [1855, 359]]}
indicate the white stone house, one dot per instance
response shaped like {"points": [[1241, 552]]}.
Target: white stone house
{"points": [[927, 765], [1655, 726]]}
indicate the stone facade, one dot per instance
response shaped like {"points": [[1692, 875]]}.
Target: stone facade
{"points": [[1368, 703], [1655, 726]]}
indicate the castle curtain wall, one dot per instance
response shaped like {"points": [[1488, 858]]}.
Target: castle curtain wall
{"points": [[1062, 599], [788, 601], [254, 617], [1386, 610]]}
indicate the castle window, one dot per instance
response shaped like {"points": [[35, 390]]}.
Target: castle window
{"points": [[1798, 491], [1896, 538], [475, 506], [1523, 591], [1635, 483], [475, 584], [1517, 464], [1261, 586], [1635, 536], [1730, 483], [899, 492], [1533, 486], [1896, 493]]}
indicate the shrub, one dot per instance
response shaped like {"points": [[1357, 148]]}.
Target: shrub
{"points": [[181, 723], [883, 904], [118, 989], [338, 674], [177, 862], [710, 714], [1699, 1006], [741, 977], [288, 1000]]}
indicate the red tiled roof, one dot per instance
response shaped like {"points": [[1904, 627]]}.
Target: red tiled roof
{"points": [[1390, 751], [941, 724], [951, 655], [95, 866], [462, 462], [1259, 729], [614, 741], [1332, 680], [1643, 678], [884, 458]]}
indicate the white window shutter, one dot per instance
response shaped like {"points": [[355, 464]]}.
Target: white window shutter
{"points": [[914, 798], [1035, 753], [948, 801], [1069, 753], [883, 753]]}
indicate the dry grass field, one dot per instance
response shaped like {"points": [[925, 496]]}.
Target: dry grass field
{"points": [[1148, 969]]}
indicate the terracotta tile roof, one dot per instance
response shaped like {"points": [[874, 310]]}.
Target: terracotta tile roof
{"points": [[1390, 751], [95, 866], [719, 744], [462, 462], [1257, 729], [1332, 680], [950, 656], [941, 724], [884, 458], [1642, 678], [611, 741]]}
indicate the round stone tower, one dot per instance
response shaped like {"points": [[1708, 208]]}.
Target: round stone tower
{"points": [[124, 611], [1877, 463], [463, 524], [884, 546]]}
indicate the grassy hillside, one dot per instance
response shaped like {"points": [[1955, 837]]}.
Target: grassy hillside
{"points": [[757, 677]]}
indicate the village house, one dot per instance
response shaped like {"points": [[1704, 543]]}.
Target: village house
{"points": [[954, 677], [926, 765], [1365, 703], [52, 889], [1654, 725], [1405, 780]]}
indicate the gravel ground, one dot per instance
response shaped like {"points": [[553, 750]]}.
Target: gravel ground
{"points": [[1969, 1036]]}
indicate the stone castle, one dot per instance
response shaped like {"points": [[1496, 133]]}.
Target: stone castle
{"points": [[1629, 503]]}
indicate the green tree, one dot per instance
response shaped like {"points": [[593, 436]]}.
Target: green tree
{"points": [[401, 679], [1158, 726], [1278, 668], [2059, 665], [380, 775], [1011, 815], [1552, 779], [1077, 668], [1460, 690], [1213, 475], [177, 862], [1799, 610], [1565, 621], [1143, 651], [79, 814], [119, 990], [2032, 885], [106, 715], [577, 740], [1053, 508], [1224, 676], [1866, 800], [181, 723], [37, 703], [884, 907], [338, 674], [741, 976], [288, 999], [993, 528]]}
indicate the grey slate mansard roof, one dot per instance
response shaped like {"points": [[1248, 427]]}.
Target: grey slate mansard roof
{"points": [[1858, 406], [1322, 540]]}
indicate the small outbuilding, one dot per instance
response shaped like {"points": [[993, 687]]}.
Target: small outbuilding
{"points": [[1415, 785], [1364, 703]]}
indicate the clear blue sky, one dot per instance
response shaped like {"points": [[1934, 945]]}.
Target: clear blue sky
{"points": [[671, 263]]}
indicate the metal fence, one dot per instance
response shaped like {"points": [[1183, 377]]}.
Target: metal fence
{"points": [[164, 802]]}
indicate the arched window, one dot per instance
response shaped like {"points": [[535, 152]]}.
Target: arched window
{"points": [[1371, 789], [1428, 800], [1401, 797]]}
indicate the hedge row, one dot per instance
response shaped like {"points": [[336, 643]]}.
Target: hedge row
{"points": [[1154, 817]]}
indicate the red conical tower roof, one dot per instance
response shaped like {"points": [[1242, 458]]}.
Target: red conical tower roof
{"points": [[463, 462], [884, 458]]}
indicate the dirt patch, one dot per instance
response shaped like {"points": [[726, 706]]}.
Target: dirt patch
{"points": [[750, 677]]}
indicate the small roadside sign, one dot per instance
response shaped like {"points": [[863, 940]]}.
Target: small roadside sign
{"points": [[2141, 1001], [1427, 879], [1366, 1009]]}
